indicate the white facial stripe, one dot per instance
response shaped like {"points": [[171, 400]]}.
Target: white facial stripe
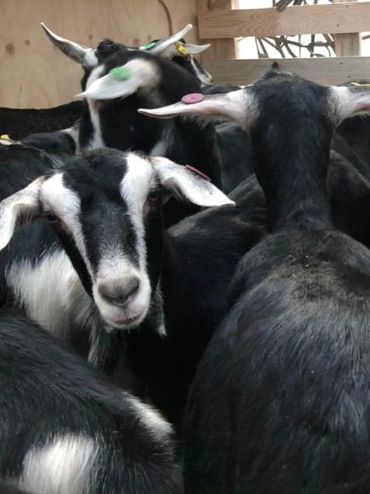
{"points": [[96, 140], [65, 204], [135, 187]]}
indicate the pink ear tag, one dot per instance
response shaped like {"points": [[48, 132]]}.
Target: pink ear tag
{"points": [[191, 98], [198, 172]]}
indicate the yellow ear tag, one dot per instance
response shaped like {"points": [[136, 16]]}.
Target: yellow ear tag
{"points": [[181, 49], [5, 137]]}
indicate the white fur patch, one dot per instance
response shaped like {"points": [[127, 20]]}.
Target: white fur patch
{"points": [[96, 141], [160, 428], [51, 293], [345, 102], [64, 466], [66, 205]]}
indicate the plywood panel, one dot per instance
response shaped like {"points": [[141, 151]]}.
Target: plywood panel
{"points": [[321, 70], [34, 74], [341, 18]]}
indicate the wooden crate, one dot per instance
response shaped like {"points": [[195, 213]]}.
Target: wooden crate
{"points": [[220, 22]]}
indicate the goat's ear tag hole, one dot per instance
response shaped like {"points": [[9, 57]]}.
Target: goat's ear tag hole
{"points": [[191, 98], [197, 172], [120, 73], [180, 48], [148, 46]]}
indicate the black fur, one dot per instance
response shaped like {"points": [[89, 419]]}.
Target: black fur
{"points": [[280, 402], [47, 393], [19, 123], [58, 143]]}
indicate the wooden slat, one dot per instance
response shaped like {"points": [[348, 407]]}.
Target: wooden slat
{"points": [[347, 44], [309, 19], [320, 70], [220, 48]]}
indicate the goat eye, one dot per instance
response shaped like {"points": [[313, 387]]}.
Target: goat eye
{"points": [[52, 218], [154, 197]]}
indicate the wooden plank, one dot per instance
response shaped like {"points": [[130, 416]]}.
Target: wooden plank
{"points": [[33, 74], [320, 70], [220, 48], [308, 19], [347, 44]]}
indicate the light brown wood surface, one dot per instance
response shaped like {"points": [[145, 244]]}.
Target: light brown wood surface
{"points": [[321, 70], [310, 19], [33, 74], [347, 44], [221, 48]]}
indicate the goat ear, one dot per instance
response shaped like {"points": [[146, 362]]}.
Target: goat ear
{"points": [[196, 49], [76, 52], [166, 46], [123, 81], [232, 106], [20, 205], [178, 179], [350, 101]]}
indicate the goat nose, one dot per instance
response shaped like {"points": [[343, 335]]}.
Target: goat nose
{"points": [[118, 293]]}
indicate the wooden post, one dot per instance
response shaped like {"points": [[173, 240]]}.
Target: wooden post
{"points": [[221, 49], [347, 44]]}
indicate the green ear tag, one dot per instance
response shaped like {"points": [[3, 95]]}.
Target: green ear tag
{"points": [[120, 73], [148, 46]]}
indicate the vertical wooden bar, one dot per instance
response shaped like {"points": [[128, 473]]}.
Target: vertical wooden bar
{"points": [[347, 44], [221, 49]]}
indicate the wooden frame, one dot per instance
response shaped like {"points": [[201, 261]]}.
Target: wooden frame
{"points": [[344, 20]]}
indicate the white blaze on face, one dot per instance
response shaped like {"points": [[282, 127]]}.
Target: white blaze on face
{"points": [[66, 205], [96, 141]]}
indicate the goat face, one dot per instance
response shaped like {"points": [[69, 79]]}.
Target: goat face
{"points": [[150, 81], [107, 205]]}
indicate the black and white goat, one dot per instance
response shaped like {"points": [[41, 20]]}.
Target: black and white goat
{"points": [[65, 430], [282, 395], [105, 209], [117, 81]]}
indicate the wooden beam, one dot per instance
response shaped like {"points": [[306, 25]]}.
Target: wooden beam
{"points": [[307, 19], [347, 44], [220, 48], [320, 70]]}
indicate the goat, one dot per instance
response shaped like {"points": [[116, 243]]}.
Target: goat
{"points": [[282, 394], [67, 431], [139, 78], [19, 123], [105, 208], [59, 144]]}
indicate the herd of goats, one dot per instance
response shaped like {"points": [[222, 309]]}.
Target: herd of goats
{"points": [[185, 282]]}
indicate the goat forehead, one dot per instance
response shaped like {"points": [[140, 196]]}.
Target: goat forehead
{"points": [[137, 180]]}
